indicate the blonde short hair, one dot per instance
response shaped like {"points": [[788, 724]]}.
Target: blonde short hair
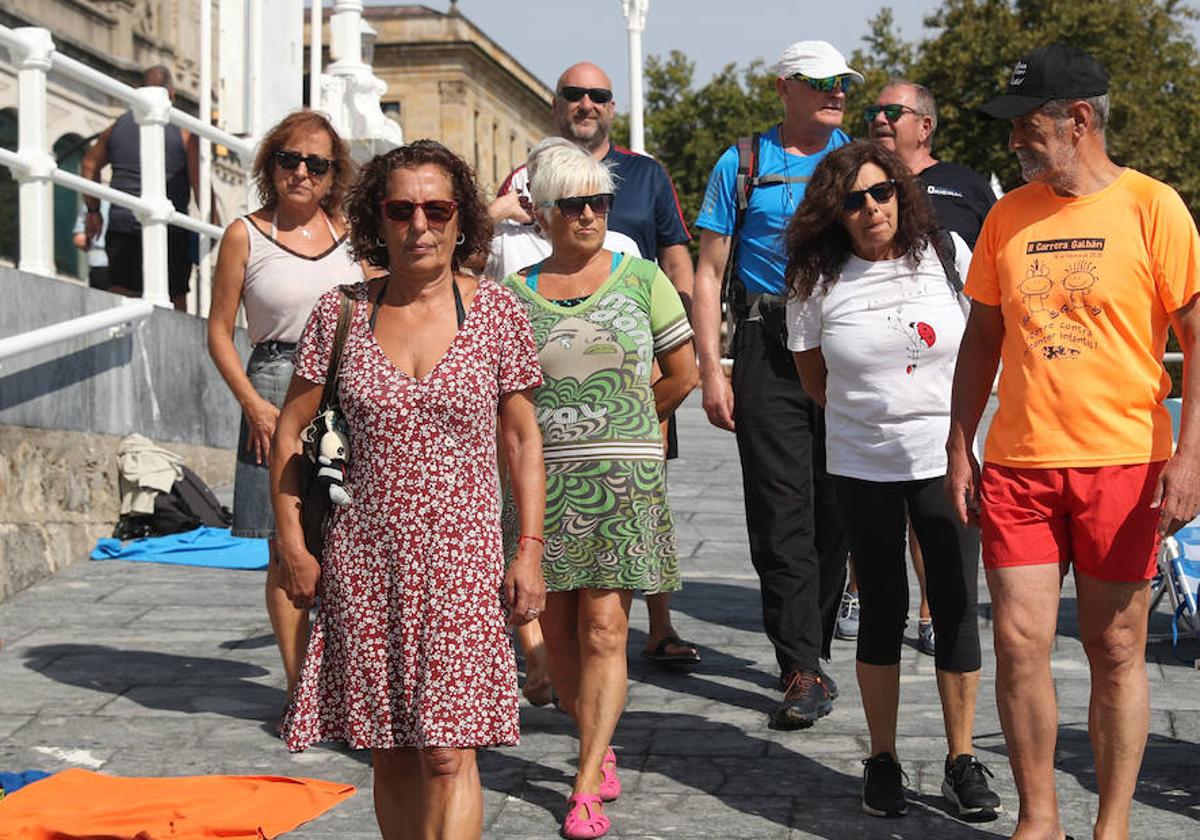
{"points": [[558, 168]]}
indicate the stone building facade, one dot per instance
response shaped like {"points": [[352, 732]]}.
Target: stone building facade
{"points": [[120, 38], [446, 80], [450, 82]]}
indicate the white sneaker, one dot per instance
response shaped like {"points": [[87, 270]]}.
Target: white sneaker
{"points": [[847, 617]]}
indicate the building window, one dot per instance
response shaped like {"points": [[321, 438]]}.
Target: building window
{"points": [[8, 188], [391, 110], [495, 152], [476, 132], [69, 260]]}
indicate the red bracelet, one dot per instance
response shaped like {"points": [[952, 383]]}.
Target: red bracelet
{"points": [[523, 537]]}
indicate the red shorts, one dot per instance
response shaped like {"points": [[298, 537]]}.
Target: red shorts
{"points": [[1098, 519]]}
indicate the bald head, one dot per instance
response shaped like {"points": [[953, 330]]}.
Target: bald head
{"points": [[584, 74], [577, 114]]}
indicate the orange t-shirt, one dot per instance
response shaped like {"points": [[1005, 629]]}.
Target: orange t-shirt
{"points": [[1084, 285]]}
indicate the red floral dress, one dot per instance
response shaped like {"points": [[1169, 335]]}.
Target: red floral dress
{"points": [[409, 647]]}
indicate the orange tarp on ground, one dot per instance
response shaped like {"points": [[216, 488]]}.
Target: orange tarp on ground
{"points": [[81, 804]]}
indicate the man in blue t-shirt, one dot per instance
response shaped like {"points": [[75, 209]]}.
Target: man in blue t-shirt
{"points": [[646, 209], [796, 539]]}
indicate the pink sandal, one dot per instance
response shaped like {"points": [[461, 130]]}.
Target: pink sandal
{"points": [[610, 784], [585, 818]]}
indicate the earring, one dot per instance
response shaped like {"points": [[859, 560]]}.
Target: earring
{"points": [[461, 239], [379, 242]]}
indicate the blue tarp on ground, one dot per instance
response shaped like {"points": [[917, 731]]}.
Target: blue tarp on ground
{"points": [[215, 548]]}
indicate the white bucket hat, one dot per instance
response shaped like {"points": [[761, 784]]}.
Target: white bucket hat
{"points": [[815, 59]]}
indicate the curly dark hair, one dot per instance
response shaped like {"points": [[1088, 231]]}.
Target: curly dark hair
{"points": [[362, 205], [276, 139], [816, 241]]}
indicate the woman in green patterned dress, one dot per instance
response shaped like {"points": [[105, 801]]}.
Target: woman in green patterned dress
{"points": [[600, 321]]}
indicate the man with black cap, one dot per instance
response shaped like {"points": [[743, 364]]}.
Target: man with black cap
{"points": [[796, 539], [1074, 281]]}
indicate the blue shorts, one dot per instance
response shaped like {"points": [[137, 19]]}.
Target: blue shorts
{"points": [[270, 372]]}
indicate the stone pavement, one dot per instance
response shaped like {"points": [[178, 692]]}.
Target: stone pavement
{"points": [[158, 670]]}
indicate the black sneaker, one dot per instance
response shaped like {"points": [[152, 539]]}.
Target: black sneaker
{"points": [[883, 791], [967, 790], [805, 699], [830, 685]]}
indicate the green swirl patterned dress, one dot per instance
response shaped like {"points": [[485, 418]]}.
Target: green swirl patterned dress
{"points": [[607, 521]]}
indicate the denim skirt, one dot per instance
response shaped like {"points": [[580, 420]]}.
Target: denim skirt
{"points": [[270, 372]]}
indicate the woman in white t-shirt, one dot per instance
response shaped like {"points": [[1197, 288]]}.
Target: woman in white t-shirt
{"points": [[875, 320]]}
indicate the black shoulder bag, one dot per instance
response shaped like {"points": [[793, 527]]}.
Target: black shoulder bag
{"points": [[315, 501]]}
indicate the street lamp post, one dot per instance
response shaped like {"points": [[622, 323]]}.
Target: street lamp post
{"points": [[635, 22]]}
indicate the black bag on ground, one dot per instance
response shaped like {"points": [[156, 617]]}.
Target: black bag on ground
{"points": [[190, 504]]}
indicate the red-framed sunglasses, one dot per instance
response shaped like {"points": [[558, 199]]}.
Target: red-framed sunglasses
{"points": [[436, 212]]}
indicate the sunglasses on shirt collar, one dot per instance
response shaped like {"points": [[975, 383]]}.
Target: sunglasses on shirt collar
{"points": [[573, 94], [316, 165], [826, 84], [880, 193]]}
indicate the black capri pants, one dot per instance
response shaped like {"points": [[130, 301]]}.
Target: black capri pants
{"points": [[875, 515]]}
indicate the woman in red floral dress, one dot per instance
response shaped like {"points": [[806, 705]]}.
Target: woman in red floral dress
{"points": [[409, 655]]}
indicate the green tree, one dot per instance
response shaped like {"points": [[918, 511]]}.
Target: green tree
{"points": [[1154, 65], [885, 56], [687, 128]]}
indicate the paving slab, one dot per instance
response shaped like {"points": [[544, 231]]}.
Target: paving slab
{"points": [[138, 669]]}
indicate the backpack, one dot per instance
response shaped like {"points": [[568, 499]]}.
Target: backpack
{"points": [[190, 504], [733, 293]]}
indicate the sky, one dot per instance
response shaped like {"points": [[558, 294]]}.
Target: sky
{"points": [[547, 36]]}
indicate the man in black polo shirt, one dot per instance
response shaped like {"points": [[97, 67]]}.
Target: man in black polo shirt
{"points": [[646, 209], [904, 118]]}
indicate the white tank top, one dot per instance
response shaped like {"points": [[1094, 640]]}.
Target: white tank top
{"points": [[282, 287]]}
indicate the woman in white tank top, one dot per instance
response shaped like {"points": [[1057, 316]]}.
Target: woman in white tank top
{"points": [[276, 262]]}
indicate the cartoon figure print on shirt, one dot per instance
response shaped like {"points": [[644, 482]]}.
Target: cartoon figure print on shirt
{"points": [[1061, 280], [918, 336]]}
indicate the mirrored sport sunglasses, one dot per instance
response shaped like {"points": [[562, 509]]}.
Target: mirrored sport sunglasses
{"points": [[436, 212], [574, 94], [828, 84], [891, 112], [880, 193], [572, 206], [316, 165]]}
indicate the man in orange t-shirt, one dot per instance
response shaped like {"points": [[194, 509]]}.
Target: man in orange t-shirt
{"points": [[1075, 278]]}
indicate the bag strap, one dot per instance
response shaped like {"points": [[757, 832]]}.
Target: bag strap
{"points": [[946, 249], [329, 395], [747, 179], [459, 311]]}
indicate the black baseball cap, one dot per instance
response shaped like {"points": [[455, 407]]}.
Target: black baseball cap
{"points": [[1058, 71]]}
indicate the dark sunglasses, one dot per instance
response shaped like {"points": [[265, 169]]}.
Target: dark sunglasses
{"points": [[892, 112], [571, 207], [291, 160], [436, 212], [826, 84], [881, 193], [574, 94]]}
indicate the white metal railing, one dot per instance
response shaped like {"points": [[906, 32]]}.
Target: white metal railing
{"points": [[118, 320], [33, 53]]}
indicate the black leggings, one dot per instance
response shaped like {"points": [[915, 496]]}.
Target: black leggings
{"points": [[874, 514]]}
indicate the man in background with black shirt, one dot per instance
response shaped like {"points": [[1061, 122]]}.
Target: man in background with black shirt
{"points": [[903, 119]]}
